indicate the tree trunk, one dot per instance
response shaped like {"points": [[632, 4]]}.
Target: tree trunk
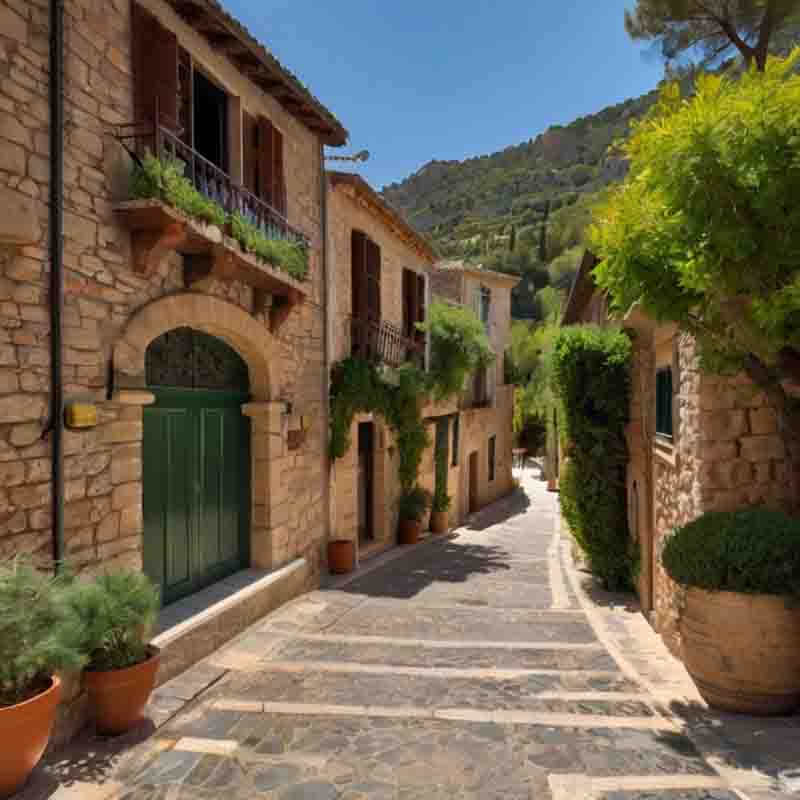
{"points": [[787, 412]]}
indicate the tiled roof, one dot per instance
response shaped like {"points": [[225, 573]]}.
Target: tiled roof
{"points": [[230, 36]]}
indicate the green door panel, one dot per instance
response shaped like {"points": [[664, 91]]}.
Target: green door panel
{"points": [[196, 488]]}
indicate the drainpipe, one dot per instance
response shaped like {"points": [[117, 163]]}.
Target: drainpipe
{"points": [[56, 230], [327, 338]]}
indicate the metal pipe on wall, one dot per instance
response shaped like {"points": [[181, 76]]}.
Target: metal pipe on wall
{"points": [[56, 242]]}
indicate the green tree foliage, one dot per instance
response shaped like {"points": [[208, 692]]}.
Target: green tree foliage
{"points": [[459, 346], [754, 551], [39, 635], [591, 379], [117, 612], [712, 27], [705, 231]]}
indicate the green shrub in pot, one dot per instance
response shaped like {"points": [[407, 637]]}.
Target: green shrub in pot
{"points": [[413, 504], [740, 615], [118, 611], [39, 636]]}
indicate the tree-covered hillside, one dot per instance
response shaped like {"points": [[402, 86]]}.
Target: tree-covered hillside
{"points": [[524, 209]]}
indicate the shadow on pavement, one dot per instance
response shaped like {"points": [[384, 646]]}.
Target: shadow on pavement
{"points": [[499, 512], [447, 562]]}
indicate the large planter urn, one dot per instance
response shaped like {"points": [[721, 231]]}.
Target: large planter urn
{"points": [[118, 697], [410, 530], [439, 521], [341, 556], [743, 651], [25, 732]]}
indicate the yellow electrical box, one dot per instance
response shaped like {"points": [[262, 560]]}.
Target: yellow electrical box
{"points": [[79, 416]]}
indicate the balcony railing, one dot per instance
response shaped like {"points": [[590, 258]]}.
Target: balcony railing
{"points": [[209, 179], [384, 343]]}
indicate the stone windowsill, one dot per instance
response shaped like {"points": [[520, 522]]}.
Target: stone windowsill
{"points": [[665, 449]]}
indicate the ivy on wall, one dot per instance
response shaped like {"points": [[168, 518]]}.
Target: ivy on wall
{"points": [[591, 380], [459, 345]]}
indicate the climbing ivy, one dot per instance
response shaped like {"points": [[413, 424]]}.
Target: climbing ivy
{"points": [[358, 386], [459, 345]]}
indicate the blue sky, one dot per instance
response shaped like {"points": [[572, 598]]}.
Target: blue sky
{"points": [[417, 80]]}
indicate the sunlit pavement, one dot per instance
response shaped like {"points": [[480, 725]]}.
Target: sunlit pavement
{"points": [[479, 665]]}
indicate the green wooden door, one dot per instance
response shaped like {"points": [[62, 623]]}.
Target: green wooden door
{"points": [[196, 480]]}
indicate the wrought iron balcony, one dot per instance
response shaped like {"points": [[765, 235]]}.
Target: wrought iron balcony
{"points": [[212, 182], [158, 228], [383, 343]]}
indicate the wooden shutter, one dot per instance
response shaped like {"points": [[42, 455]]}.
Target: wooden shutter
{"points": [[409, 295], [155, 65], [265, 160], [373, 274], [250, 166], [419, 335], [359, 274], [278, 182]]}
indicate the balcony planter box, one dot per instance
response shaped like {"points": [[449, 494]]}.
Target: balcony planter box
{"points": [[25, 732], [341, 556]]}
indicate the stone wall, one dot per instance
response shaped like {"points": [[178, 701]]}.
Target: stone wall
{"points": [[103, 296], [448, 284]]}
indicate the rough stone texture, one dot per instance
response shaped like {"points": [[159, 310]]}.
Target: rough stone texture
{"points": [[106, 303]]}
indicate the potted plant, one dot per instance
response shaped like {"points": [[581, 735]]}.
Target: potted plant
{"points": [[118, 611], [439, 512], [341, 556], [740, 625], [413, 504], [38, 637]]}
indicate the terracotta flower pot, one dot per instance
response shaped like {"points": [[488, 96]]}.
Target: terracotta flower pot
{"points": [[410, 530], [341, 556], [118, 697], [552, 485], [24, 732], [439, 521], [743, 651]]}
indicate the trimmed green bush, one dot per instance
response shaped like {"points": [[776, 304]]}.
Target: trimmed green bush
{"points": [[591, 379], [753, 551]]}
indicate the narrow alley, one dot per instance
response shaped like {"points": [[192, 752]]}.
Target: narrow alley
{"points": [[473, 666]]}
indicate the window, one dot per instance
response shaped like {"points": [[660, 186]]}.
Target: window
{"points": [[482, 304], [492, 455], [456, 432], [262, 163], [664, 425], [413, 304]]}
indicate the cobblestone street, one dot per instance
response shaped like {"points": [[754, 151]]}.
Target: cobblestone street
{"points": [[474, 666]]}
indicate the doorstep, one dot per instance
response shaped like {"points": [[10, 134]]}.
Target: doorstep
{"points": [[196, 626]]}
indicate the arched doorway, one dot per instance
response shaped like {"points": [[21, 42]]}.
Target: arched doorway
{"points": [[196, 458]]}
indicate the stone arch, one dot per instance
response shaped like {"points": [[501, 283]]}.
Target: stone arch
{"points": [[204, 313]]}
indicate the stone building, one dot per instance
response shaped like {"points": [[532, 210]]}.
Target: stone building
{"points": [[386, 277], [698, 442], [192, 370], [486, 425]]}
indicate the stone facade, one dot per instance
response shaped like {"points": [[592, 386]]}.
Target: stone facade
{"points": [[725, 452], [112, 312]]}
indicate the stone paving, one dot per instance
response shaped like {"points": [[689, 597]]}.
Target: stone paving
{"points": [[478, 666]]}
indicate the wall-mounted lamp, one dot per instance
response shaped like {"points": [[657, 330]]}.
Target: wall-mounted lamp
{"points": [[363, 155]]}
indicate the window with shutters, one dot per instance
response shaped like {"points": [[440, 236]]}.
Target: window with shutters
{"points": [[492, 456], [664, 402], [413, 305]]}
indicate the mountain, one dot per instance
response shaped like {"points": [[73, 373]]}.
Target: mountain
{"points": [[467, 206]]}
